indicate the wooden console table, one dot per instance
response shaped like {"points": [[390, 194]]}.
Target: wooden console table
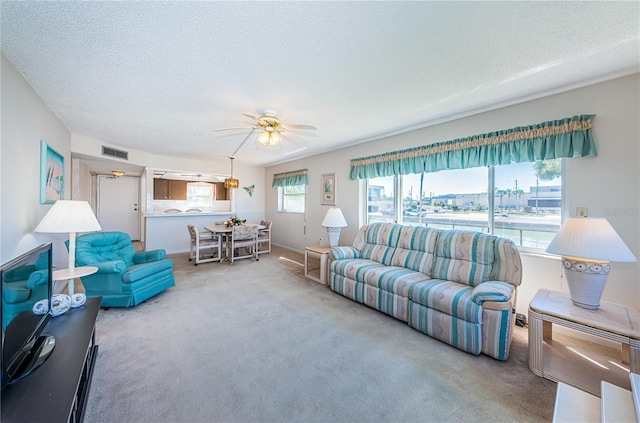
{"points": [[551, 359], [57, 390]]}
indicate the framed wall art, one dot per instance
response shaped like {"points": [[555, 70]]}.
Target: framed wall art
{"points": [[328, 189], [51, 174]]}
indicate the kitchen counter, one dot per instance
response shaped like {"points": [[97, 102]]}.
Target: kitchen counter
{"points": [[169, 231]]}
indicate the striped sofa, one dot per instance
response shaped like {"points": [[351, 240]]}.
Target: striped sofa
{"points": [[454, 285]]}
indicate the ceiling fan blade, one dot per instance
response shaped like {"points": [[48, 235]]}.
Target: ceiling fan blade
{"points": [[232, 129], [310, 127], [256, 118]]}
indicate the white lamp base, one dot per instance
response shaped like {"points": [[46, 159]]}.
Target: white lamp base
{"points": [[586, 280], [334, 236]]}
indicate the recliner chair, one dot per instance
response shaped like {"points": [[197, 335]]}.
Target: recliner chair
{"points": [[125, 277]]}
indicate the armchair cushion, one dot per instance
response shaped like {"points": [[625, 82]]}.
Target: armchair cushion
{"points": [[142, 270]]}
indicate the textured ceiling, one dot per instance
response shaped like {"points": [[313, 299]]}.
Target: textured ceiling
{"points": [[160, 76]]}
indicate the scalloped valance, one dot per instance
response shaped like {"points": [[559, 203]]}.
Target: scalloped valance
{"points": [[293, 177], [569, 137]]}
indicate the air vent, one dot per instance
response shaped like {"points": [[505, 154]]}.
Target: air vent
{"points": [[108, 151]]}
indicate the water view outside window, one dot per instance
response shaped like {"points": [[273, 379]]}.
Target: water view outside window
{"points": [[526, 202], [292, 199]]}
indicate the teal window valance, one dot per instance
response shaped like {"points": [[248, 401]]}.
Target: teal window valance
{"points": [[293, 177], [569, 137]]}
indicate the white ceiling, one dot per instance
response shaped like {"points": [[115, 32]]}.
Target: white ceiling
{"points": [[160, 76]]}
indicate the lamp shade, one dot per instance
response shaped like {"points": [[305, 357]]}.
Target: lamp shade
{"points": [[590, 238], [334, 219], [69, 216]]}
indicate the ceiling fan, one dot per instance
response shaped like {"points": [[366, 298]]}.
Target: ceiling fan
{"points": [[272, 130]]}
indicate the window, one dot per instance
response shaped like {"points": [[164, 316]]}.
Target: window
{"points": [[381, 201], [526, 205], [528, 202], [291, 199], [199, 194]]}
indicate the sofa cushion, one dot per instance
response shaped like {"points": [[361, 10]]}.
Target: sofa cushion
{"points": [[463, 256], [452, 298], [381, 240], [353, 268], [393, 279], [415, 249], [507, 266]]}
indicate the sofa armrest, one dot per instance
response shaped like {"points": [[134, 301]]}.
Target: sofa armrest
{"points": [[149, 256], [342, 253], [493, 291], [114, 266]]}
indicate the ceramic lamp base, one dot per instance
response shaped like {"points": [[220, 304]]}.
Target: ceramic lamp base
{"points": [[334, 236], [586, 280]]}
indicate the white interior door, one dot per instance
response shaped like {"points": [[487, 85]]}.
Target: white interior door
{"points": [[118, 201]]}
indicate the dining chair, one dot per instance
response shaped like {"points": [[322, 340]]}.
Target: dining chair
{"points": [[242, 236], [203, 246], [264, 236]]}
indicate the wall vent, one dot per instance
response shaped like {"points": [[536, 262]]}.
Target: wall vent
{"points": [[108, 151]]}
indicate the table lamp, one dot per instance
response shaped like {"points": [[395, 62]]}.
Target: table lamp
{"points": [[334, 221], [587, 246], [69, 216]]}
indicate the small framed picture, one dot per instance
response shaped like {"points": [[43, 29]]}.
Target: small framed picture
{"points": [[328, 189], [51, 174]]}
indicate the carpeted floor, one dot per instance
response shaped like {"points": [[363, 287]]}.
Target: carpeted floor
{"points": [[257, 342]]}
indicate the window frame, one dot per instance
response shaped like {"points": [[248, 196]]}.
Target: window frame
{"points": [[398, 217], [282, 195]]}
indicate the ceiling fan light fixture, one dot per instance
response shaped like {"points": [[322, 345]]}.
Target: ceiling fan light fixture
{"points": [[269, 138]]}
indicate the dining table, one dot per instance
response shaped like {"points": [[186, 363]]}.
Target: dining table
{"points": [[224, 231]]}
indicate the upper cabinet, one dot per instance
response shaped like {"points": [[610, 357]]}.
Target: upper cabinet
{"points": [[169, 189]]}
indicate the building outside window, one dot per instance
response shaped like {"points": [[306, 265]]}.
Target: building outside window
{"points": [[291, 199], [525, 204]]}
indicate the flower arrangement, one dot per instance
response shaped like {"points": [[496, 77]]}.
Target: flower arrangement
{"points": [[234, 221]]}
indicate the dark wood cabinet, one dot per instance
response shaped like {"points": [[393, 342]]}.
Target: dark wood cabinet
{"points": [[169, 189], [57, 391], [221, 193]]}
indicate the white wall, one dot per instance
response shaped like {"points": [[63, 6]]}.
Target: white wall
{"points": [[25, 121], [608, 184], [248, 207]]}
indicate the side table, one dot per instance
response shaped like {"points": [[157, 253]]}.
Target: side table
{"points": [[321, 252], [585, 370], [77, 272]]}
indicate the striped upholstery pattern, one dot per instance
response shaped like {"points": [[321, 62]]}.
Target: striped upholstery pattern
{"points": [[347, 287], [507, 266], [435, 280], [464, 256], [452, 298], [416, 246], [497, 329], [460, 333], [342, 253], [380, 242]]}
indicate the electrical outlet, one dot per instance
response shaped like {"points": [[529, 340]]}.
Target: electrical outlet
{"points": [[320, 241], [582, 212]]}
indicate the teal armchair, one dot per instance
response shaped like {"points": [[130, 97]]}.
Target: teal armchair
{"points": [[125, 277]]}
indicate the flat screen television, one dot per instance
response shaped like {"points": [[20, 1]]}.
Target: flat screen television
{"points": [[27, 287]]}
